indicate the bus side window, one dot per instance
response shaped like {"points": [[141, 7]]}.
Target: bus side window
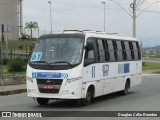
{"points": [[128, 52], [101, 50], [89, 54], [119, 51], [111, 51], [135, 50], [139, 51], [132, 50], [124, 51]]}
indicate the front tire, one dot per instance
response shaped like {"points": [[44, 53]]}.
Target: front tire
{"points": [[86, 101], [42, 101]]}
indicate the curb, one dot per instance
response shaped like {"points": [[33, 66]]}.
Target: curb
{"points": [[150, 74], [13, 92]]}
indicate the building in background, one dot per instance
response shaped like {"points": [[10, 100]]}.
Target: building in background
{"points": [[11, 17]]}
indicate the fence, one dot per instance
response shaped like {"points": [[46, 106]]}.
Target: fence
{"points": [[12, 50]]}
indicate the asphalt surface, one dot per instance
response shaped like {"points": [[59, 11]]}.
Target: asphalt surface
{"points": [[152, 61], [144, 97]]}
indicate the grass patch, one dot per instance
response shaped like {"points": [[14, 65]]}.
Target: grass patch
{"points": [[7, 73], [150, 66], [14, 73]]}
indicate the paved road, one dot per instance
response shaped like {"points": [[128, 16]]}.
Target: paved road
{"points": [[153, 61], [145, 97]]}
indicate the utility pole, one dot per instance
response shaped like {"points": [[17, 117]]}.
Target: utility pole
{"points": [[1, 50], [134, 7], [134, 18], [1, 58], [104, 14], [50, 14]]}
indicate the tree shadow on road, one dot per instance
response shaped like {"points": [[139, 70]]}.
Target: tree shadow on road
{"points": [[112, 96]]}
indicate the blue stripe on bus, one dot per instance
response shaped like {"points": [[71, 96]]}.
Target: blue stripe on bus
{"points": [[49, 75], [123, 68], [126, 68], [93, 71]]}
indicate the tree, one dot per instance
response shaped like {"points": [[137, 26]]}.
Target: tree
{"points": [[31, 25]]}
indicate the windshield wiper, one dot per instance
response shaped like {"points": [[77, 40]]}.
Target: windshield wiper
{"points": [[62, 62], [40, 62]]}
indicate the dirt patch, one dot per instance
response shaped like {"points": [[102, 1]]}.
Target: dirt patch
{"points": [[12, 92], [155, 71], [13, 80]]}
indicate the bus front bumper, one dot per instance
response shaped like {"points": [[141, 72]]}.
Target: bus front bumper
{"points": [[64, 94]]}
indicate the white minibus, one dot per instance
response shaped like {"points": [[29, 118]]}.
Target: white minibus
{"points": [[82, 65]]}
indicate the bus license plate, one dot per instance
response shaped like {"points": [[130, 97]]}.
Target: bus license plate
{"points": [[48, 87]]}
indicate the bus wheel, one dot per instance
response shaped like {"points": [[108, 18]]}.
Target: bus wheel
{"points": [[86, 101], [125, 91], [42, 101]]}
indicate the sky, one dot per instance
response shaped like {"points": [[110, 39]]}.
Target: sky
{"points": [[89, 15]]}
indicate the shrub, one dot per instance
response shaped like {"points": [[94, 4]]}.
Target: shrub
{"points": [[20, 47], [34, 39], [143, 63], [16, 65], [5, 61]]}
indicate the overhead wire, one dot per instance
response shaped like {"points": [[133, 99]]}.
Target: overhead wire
{"points": [[93, 7], [140, 3]]}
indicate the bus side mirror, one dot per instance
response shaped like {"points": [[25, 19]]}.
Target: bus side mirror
{"points": [[89, 47], [32, 47]]}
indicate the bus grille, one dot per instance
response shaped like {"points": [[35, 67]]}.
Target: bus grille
{"points": [[56, 83]]}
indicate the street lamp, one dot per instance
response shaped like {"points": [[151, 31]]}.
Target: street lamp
{"points": [[134, 16], [50, 14], [104, 14]]}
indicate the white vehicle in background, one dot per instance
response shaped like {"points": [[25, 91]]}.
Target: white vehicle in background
{"points": [[82, 65]]}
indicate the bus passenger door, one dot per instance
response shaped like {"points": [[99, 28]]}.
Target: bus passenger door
{"points": [[90, 70]]}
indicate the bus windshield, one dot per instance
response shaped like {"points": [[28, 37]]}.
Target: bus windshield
{"points": [[57, 51]]}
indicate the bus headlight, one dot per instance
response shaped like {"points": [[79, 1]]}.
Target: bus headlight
{"points": [[72, 80], [29, 79]]}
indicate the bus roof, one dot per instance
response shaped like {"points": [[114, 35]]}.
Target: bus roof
{"points": [[98, 34]]}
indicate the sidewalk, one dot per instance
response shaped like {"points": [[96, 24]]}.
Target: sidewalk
{"points": [[155, 71], [12, 89]]}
